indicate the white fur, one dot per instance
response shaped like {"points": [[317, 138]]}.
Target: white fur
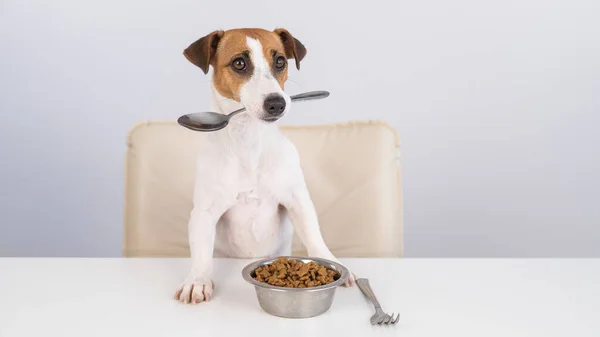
{"points": [[249, 188]]}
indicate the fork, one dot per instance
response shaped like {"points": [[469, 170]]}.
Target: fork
{"points": [[379, 317]]}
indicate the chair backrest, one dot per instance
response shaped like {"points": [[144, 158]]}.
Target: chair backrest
{"points": [[352, 171]]}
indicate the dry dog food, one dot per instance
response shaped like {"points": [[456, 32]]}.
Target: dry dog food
{"points": [[294, 274]]}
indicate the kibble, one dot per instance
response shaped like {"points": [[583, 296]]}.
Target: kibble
{"points": [[294, 274]]}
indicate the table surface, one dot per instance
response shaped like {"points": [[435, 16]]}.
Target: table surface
{"points": [[436, 297]]}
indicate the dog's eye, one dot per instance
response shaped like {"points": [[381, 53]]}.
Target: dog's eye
{"points": [[239, 64], [280, 62]]}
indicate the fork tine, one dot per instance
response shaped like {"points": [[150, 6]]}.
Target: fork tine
{"points": [[381, 319], [397, 318], [387, 319]]}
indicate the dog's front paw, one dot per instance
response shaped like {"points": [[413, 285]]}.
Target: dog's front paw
{"points": [[351, 280], [195, 289], [328, 256]]}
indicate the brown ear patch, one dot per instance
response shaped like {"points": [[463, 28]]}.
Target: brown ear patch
{"points": [[202, 52], [293, 47]]}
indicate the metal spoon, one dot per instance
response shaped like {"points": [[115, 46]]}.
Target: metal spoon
{"points": [[213, 121]]}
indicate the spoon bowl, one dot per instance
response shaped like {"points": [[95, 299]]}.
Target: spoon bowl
{"points": [[213, 121], [204, 121]]}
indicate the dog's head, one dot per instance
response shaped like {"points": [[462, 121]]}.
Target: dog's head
{"points": [[249, 66]]}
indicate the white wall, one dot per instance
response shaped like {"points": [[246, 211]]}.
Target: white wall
{"points": [[497, 104]]}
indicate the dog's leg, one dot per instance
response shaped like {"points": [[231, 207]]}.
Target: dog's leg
{"points": [[209, 206], [286, 235], [304, 217], [198, 285]]}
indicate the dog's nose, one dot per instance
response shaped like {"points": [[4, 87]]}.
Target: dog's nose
{"points": [[274, 104]]}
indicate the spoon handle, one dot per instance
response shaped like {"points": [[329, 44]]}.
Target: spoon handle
{"points": [[310, 95], [236, 112], [307, 96]]}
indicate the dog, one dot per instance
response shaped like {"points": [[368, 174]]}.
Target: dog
{"points": [[249, 191]]}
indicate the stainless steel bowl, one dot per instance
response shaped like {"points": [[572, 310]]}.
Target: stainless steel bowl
{"points": [[295, 302]]}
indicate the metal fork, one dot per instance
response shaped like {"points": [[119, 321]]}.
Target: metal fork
{"points": [[379, 317]]}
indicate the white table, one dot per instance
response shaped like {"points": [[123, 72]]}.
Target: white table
{"points": [[436, 297]]}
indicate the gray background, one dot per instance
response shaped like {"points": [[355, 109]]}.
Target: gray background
{"points": [[496, 102]]}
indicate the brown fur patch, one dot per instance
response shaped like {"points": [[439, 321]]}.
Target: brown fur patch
{"points": [[294, 49]]}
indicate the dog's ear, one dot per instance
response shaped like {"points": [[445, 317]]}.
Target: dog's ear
{"points": [[293, 48], [202, 52]]}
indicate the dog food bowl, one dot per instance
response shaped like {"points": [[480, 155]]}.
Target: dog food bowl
{"points": [[295, 302]]}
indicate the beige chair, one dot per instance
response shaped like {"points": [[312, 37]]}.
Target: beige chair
{"points": [[352, 171]]}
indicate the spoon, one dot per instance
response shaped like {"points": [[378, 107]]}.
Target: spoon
{"points": [[213, 121]]}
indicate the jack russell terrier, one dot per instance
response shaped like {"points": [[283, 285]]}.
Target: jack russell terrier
{"points": [[249, 186]]}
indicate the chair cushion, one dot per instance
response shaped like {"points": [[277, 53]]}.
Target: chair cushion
{"points": [[352, 171]]}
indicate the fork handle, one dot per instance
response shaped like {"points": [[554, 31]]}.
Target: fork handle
{"points": [[365, 287]]}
